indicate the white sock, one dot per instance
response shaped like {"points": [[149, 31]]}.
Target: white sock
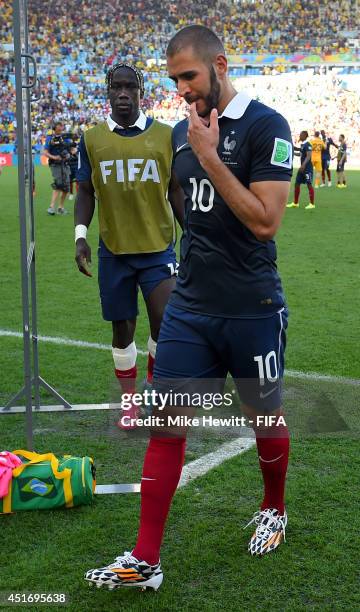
{"points": [[152, 347], [125, 359]]}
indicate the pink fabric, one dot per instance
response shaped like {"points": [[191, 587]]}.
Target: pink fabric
{"points": [[8, 461]]}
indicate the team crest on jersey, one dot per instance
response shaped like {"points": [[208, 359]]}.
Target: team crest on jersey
{"points": [[282, 153], [229, 145]]}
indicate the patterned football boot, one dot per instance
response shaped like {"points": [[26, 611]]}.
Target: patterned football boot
{"points": [[269, 532], [126, 571]]}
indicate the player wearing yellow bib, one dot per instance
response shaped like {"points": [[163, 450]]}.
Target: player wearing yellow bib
{"points": [[317, 147], [125, 164]]}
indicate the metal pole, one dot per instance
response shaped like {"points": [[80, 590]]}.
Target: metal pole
{"points": [[22, 217], [30, 195], [32, 378], [30, 187]]}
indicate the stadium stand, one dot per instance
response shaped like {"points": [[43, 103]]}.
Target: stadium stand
{"points": [[73, 49]]}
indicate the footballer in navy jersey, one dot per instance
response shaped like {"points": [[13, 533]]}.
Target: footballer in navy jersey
{"points": [[304, 175], [326, 158], [227, 314], [341, 160], [325, 154]]}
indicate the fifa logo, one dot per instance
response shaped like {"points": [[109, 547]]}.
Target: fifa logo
{"points": [[130, 170]]}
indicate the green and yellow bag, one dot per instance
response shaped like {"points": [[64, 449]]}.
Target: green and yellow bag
{"points": [[44, 482]]}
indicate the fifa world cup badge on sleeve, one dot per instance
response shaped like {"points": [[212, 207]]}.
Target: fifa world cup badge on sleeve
{"points": [[282, 153]]}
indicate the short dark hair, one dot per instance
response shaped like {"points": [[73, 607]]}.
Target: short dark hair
{"points": [[305, 132], [57, 123], [342, 136], [203, 40], [317, 134]]}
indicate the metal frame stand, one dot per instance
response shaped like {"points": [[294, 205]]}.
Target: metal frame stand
{"points": [[24, 85]]}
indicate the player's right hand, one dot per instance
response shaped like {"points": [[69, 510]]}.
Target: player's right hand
{"points": [[83, 256]]}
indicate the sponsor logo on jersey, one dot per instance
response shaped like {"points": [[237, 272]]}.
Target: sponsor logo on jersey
{"points": [[130, 170], [181, 147], [282, 153]]}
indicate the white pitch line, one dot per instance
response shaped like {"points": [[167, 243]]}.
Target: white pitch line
{"points": [[191, 471], [107, 347], [194, 469], [64, 341], [199, 467], [324, 377]]}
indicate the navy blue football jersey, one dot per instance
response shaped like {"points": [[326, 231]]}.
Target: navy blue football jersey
{"points": [[224, 269], [326, 152], [305, 147]]}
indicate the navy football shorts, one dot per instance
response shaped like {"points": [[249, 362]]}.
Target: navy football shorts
{"points": [[325, 162], [340, 167], [120, 277], [200, 347], [303, 178]]}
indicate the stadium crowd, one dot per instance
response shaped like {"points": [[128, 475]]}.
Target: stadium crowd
{"points": [[74, 48], [317, 102]]}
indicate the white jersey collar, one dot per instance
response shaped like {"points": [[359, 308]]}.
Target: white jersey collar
{"points": [[140, 123], [237, 106]]}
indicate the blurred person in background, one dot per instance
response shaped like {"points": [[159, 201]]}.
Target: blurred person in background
{"points": [[326, 158], [341, 160], [318, 146], [57, 151], [304, 175]]}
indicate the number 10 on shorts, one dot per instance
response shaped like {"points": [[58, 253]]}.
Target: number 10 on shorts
{"points": [[267, 367]]}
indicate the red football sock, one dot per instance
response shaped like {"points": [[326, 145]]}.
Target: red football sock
{"points": [[323, 176], [150, 368], [311, 193], [127, 379], [161, 473], [297, 194], [273, 449]]}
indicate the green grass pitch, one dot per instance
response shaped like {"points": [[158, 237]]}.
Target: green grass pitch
{"points": [[204, 556]]}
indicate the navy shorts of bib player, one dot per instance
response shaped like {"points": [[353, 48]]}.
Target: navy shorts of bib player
{"points": [[125, 164], [227, 313]]}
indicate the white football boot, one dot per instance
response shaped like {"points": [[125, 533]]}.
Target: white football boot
{"points": [[269, 532], [126, 571]]}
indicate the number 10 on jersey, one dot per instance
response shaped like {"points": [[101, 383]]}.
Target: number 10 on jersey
{"points": [[202, 190]]}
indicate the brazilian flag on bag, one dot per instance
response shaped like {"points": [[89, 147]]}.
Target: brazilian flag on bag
{"points": [[44, 482]]}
